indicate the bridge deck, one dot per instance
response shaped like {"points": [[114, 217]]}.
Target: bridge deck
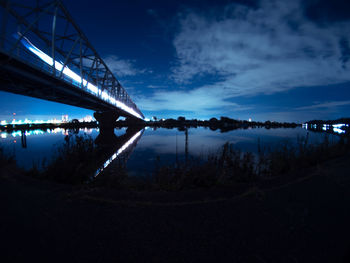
{"points": [[19, 77], [57, 62]]}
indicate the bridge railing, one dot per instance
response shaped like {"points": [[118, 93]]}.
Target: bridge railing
{"points": [[25, 56], [49, 28]]}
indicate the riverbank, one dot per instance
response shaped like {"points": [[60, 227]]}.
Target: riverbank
{"points": [[225, 124], [300, 218]]}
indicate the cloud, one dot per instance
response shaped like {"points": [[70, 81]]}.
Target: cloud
{"points": [[325, 105], [248, 51], [201, 101], [156, 86], [121, 67], [266, 50]]}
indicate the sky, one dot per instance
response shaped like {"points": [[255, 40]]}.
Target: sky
{"points": [[264, 60]]}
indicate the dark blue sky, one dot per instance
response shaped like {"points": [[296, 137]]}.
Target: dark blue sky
{"points": [[277, 60]]}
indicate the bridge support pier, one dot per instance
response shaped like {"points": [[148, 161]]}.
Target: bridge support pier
{"points": [[106, 122], [106, 119]]}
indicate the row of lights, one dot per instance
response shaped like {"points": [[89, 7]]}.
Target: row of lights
{"points": [[338, 128], [69, 73], [15, 134]]}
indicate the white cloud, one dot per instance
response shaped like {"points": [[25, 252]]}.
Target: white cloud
{"points": [[121, 67], [251, 52], [202, 101], [265, 50], [325, 105]]}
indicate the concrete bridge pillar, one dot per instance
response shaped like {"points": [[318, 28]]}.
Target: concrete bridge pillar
{"points": [[106, 122]]}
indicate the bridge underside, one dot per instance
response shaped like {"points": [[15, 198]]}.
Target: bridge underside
{"points": [[18, 77]]}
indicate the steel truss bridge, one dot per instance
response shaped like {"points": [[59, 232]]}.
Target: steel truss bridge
{"points": [[44, 54]]}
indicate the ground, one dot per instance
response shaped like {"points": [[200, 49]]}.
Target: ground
{"points": [[302, 218]]}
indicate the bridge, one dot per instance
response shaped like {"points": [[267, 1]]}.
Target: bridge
{"points": [[44, 54]]}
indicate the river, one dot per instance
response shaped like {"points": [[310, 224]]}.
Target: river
{"points": [[142, 150]]}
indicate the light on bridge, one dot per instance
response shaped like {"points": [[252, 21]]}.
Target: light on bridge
{"points": [[66, 71]]}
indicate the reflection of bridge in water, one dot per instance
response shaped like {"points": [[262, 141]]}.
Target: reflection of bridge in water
{"points": [[112, 150], [44, 54], [116, 150]]}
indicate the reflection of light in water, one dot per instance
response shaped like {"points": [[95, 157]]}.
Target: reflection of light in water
{"points": [[38, 132], [78, 79], [163, 141], [88, 131], [19, 133], [337, 130], [16, 133], [116, 154], [57, 130], [34, 132]]}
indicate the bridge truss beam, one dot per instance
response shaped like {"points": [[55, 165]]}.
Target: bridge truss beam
{"points": [[47, 27]]}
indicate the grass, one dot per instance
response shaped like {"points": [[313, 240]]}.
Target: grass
{"points": [[231, 166], [78, 159], [6, 159], [70, 164]]}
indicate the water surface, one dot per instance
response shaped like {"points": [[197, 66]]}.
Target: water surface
{"points": [[143, 150]]}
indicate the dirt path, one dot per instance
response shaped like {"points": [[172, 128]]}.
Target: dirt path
{"points": [[304, 220]]}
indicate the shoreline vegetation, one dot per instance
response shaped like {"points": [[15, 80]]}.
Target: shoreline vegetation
{"points": [[79, 158], [228, 167], [224, 124]]}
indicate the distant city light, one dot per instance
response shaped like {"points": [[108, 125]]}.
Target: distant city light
{"points": [[337, 128], [339, 125], [26, 121], [65, 118], [87, 118]]}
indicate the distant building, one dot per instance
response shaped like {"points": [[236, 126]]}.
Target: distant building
{"points": [[65, 118]]}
